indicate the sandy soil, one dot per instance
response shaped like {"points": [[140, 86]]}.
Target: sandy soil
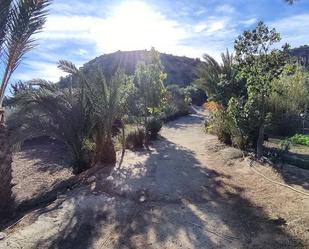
{"points": [[183, 193]]}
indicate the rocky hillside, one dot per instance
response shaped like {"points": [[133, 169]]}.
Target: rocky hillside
{"points": [[302, 53], [180, 70]]}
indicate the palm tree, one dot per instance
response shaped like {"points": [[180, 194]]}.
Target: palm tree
{"points": [[19, 20], [106, 99], [45, 109], [218, 80]]}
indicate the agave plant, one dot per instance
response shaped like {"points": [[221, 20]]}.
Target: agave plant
{"points": [[19, 20], [106, 99]]}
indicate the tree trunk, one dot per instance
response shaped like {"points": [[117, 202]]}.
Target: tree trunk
{"points": [[6, 199], [105, 152], [260, 141]]}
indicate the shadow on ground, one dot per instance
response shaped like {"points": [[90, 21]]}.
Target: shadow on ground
{"points": [[50, 155], [174, 201]]}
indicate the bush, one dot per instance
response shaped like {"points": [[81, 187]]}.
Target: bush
{"points": [[135, 139], [153, 126], [197, 96], [300, 139], [218, 125], [285, 145]]}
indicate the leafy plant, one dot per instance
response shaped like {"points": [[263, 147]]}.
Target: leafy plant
{"points": [[153, 126], [149, 79], [300, 139], [259, 63], [285, 145], [219, 80], [106, 100], [136, 139]]}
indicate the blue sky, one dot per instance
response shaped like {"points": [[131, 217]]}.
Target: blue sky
{"points": [[79, 30]]}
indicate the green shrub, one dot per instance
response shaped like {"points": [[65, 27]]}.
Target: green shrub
{"points": [[218, 125], [300, 139], [136, 139], [153, 126], [285, 145]]}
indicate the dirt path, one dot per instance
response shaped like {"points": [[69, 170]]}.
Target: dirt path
{"points": [[181, 194]]}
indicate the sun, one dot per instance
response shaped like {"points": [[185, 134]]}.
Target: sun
{"points": [[137, 25]]}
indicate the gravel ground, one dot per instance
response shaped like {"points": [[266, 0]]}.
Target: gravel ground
{"points": [[183, 193]]}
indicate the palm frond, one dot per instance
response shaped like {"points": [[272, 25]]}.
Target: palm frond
{"points": [[4, 16], [67, 66], [26, 18]]}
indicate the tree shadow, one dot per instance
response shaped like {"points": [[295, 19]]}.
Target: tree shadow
{"points": [[49, 155], [290, 171], [184, 204], [184, 121], [171, 200]]}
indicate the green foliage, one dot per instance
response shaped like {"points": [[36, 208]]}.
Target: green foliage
{"points": [[300, 139], [285, 145], [153, 126], [19, 21], [289, 98], [177, 102], [219, 80], [149, 83], [44, 109], [106, 99], [259, 64], [219, 125], [194, 95], [136, 139]]}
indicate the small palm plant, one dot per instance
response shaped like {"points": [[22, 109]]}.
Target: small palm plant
{"points": [[19, 20], [45, 109], [106, 99]]}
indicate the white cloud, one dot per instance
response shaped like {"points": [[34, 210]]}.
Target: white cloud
{"points": [[293, 29], [39, 70], [132, 25], [249, 21], [225, 8]]}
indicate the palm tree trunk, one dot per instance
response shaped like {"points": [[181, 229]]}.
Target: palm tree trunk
{"points": [[105, 152], [6, 200]]}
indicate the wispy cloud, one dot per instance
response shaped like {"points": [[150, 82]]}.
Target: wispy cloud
{"points": [[225, 8], [293, 29], [79, 30]]}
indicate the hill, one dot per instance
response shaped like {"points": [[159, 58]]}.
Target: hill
{"points": [[302, 53], [180, 70]]}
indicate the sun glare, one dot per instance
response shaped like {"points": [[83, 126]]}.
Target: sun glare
{"points": [[135, 25]]}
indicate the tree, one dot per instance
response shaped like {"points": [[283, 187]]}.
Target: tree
{"points": [[19, 20], [219, 80], [289, 98], [106, 101], [258, 62], [149, 79], [43, 109]]}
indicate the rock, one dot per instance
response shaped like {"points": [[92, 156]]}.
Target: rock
{"points": [[93, 186], [142, 198], [231, 153], [2, 236], [91, 179], [110, 178]]}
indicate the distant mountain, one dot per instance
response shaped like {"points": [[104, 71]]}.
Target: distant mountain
{"points": [[180, 70], [302, 53]]}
